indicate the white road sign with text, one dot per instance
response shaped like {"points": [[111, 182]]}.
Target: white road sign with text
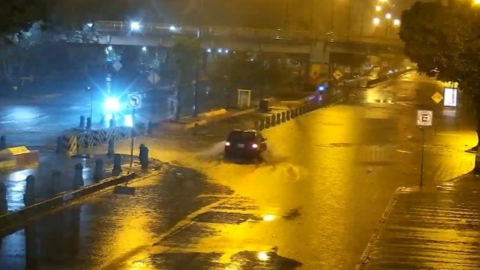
{"points": [[424, 118]]}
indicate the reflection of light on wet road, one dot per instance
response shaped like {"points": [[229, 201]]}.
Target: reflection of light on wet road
{"points": [[21, 113], [269, 218], [130, 233], [16, 188], [263, 256], [20, 175]]}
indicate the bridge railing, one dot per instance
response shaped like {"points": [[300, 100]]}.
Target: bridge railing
{"points": [[244, 33]]}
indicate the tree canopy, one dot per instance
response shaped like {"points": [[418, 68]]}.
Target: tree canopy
{"points": [[445, 39]]}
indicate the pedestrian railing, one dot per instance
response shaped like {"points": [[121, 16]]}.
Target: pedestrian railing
{"points": [[238, 32]]}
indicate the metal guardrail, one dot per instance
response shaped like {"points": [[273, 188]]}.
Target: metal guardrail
{"points": [[247, 33]]}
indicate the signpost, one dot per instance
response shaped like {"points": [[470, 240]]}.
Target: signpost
{"points": [[134, 102], [424, 119]]}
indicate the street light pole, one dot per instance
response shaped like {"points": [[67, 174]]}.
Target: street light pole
{"points": [[91, 104], [312, 8], [349, 19], [331, 16], [287, 11], [197, 63]]}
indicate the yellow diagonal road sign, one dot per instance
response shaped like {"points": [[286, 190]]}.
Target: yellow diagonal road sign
{"points": [[437, 97]]}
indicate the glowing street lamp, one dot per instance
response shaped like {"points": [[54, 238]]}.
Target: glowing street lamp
{"points": [[383, 1], [476, 2], [396, 22], [135, 26], [112, 104], [144, 49], [388, 16], [376, 21], [379, 8]]}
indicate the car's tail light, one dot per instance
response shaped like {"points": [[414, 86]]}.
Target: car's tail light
{"points": [[227, 143], [254, 145]]}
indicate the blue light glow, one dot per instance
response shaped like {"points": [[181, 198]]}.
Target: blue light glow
{"points": [[112, 104]]}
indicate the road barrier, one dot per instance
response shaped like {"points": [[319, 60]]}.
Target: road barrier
{"points": [[67, 144], [102, 136], [73, 142], [282, 117]]}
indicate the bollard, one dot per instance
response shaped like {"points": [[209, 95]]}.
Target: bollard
{"points": [[29, 196], [98, 173], [102, 120], [267, 122], [89, 123], [111, 148], [296, 112], [59, 145], [55, 184], [288, 115], [278, 119], [3, 199], [476, 169], [261, 124], [283, 117], [143, 156], [117, 165], [112, 123], [272, 121], [78, 177], [292, 113], [82, 122], [30, 186], [195, 129], [150, 128], [3, 142], [256, 124]]}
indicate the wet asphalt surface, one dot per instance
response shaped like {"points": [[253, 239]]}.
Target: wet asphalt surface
{"points": [[35, 120], [313, 204]]}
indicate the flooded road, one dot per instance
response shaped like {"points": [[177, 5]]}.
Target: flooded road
{"points": [[327, 178]]}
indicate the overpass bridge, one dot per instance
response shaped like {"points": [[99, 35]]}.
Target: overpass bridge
{"points": [[265, 40]]}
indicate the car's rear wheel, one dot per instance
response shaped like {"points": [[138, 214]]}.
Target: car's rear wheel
{"points": [[257, 158]]}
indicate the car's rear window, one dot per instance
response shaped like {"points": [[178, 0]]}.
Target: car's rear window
{"points": [[241, 136]]}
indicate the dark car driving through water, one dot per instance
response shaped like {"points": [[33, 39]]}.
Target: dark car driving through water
{"points": [[245, 145]]}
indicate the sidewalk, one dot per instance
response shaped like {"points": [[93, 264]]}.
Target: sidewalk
{"points": [[434, 228]]}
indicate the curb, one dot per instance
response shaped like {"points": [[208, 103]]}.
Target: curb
{"points": [[11, 221], [375, 82], [376, 234], [187, 126]]}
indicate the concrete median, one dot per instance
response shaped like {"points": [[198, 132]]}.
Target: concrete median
{"points": [[16, 219]]}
